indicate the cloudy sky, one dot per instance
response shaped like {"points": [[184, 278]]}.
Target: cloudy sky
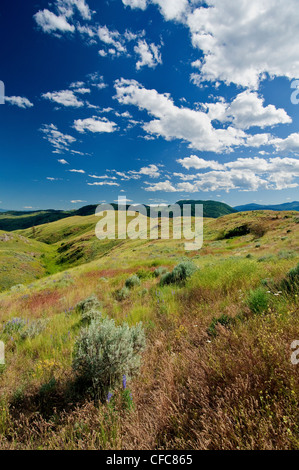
{"points": [[157, 100]]}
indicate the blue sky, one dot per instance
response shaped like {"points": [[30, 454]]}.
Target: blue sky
{"points": [[158, 100]]}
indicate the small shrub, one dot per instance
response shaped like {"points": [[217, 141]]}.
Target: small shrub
{"points": [[223, 320], [291, 281], [258, 230], [17, 288], [122, 294], [180, 273], [88, 304], [132, 282], [160, 271], [258, 301], [34, 329], [143, 292], [143, 274], [286, 254], [89, 309], [104, 353]]}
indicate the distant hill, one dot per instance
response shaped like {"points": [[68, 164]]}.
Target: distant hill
{"points": [[14, 220], [288, 206], [211, 209]]}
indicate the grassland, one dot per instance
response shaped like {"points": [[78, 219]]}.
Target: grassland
{"points": [[216, 373]]}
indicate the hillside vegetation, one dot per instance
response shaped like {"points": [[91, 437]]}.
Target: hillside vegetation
{"points": [[210, 366], [14, 220]]}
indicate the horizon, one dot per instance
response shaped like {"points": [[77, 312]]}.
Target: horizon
{"points": [[135, 204], [90, 112]]}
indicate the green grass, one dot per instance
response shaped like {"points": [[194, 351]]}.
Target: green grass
{"points": [[219, 343]]}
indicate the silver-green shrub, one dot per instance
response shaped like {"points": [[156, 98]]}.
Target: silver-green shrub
{"points": [[132, 282], [180, 273], [105, 352], [89, 309], [34, 328]]}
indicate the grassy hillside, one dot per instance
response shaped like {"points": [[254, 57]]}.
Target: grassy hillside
{"points": [[13, 220], [22, 260], [216, 373]]}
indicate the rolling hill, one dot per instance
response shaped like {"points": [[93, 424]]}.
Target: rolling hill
{"points": [[218, 342], [14, 220], [288, 206]]}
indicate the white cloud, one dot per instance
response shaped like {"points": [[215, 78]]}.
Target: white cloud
{"points": [[95, 124], [242, 41], [77, 171], [152, 171], [77, 201], [199, 163], [170, 9], [162, 186], [244, 174], [102, 177], [290, 144], [112, 38], [173, 9], [49, 22], [65, 98], [150, 55], [172, 122], [19, 101], [63, 161], [103, 183], [142, 4], [61, 142], [247, 110]]}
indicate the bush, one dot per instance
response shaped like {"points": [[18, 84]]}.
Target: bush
{"points": [[258, 301], [291, 282], [88, 304], [160, 271], [104, 353], [223, 320], [34, 329], [132, 282], [180, 273], [122, 294], [89, 309]]}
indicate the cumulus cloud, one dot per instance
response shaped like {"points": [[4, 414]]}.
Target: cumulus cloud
{"points": [[142, 4], [77, 171], [49, 22], [65, 98], [247, 110], [199, 163], [170, 9], [289, 144], [172, 122], [162, 186], [95, 124], [173, 9], [60, 21], [19, 101], [61, 142], [245, 40], [150, 55], [112, 38], [244, 174]]}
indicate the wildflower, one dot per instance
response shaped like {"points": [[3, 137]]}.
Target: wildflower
{"points": [[109, 396], [124, 382]]}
